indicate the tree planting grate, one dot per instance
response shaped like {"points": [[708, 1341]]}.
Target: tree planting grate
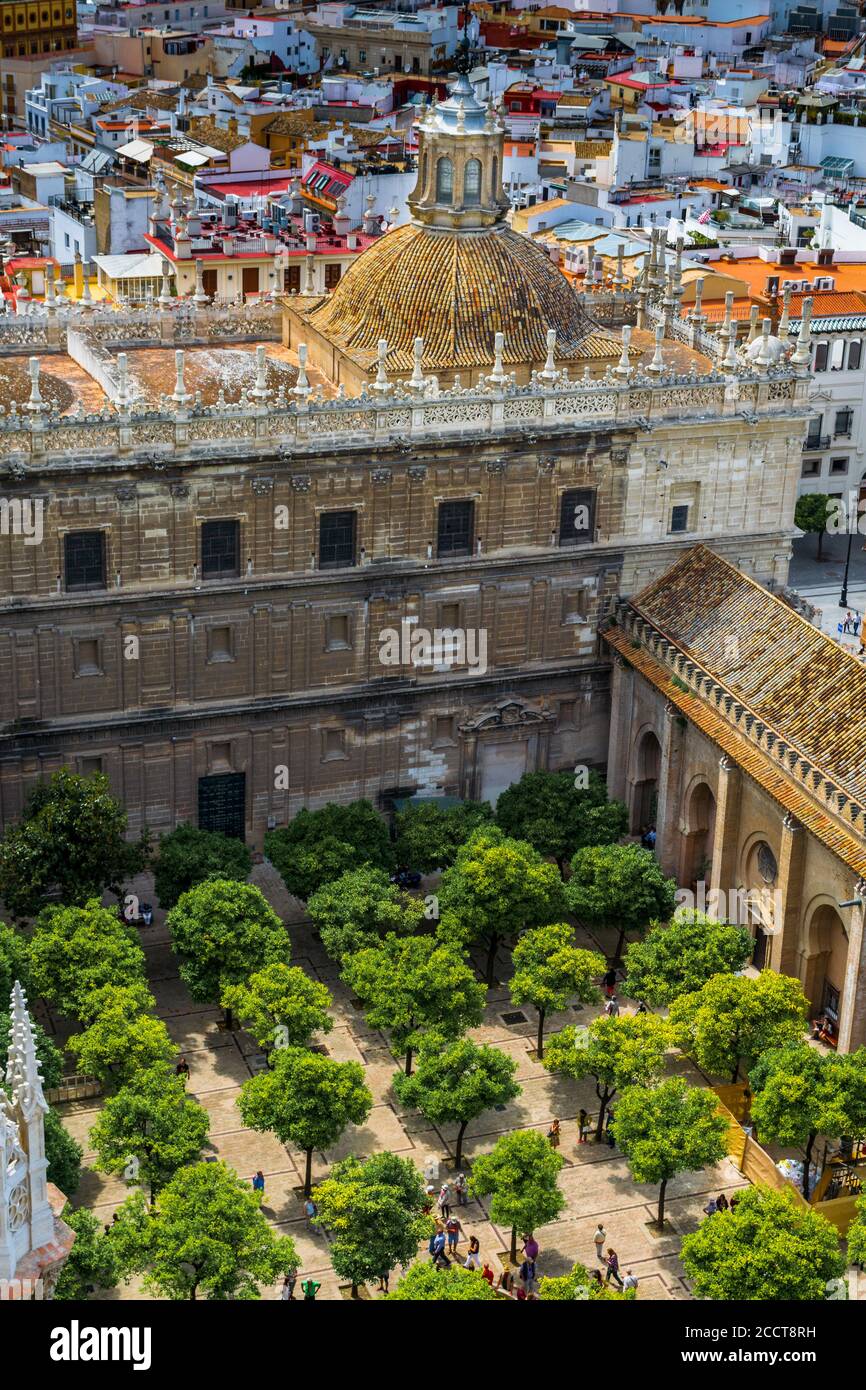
{"points": [[511, 1019]]}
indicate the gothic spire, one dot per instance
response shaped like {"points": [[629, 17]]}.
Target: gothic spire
{"points": [[23, 1077]]}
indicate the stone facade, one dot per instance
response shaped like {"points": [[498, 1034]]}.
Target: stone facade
{"points": [[745, 821]]}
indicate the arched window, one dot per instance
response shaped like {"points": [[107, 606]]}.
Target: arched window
{"points": [[472, 183], [494, 178], [444, 180]]}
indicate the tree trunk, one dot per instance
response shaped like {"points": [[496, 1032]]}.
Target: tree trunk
{"points": [[408, 1067], [458, 1153], [514, 1245], [617, 955], [540, 1047], [560, 864], [354, 1290], [736, 1071], [806, 1164], [661, 1216], [604, 1099], [308, 1173], [491, 958], [229, 1019]]}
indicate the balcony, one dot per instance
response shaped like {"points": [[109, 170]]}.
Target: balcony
{"points": [[814, 443]]}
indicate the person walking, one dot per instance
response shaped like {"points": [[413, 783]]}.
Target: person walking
{"points": [[629, 1282], [383, 1281], [287, 1292], [453, 1232], [609, 981], [309, 1289], [527, 1274], [583, 1124], [311, 1211], [443, 1201], [530, 1247], [259, 1181], [461, 1187], [722, 1202], [554, 1135], [473, 1258], [437, 1247], [600, 1237], [487, 1273], [612, 1263], [611, 1008], [182, 1070]]}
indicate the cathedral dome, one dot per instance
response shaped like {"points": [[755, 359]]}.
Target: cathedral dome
{"points": [[456, 275], [456, 291]]}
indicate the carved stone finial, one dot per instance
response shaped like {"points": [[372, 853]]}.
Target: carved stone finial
{"points": [[416, 382], [302, 387], [381, 385], [260, 391], [180, 395]]}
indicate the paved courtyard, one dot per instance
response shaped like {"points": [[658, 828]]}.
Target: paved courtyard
{"points": [[595, 1178]]}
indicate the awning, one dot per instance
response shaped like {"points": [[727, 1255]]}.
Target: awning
{"points": [[139, 150]]}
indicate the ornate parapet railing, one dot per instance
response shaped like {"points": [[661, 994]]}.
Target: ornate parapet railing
{"points": [[302, 421], [51, 327]]}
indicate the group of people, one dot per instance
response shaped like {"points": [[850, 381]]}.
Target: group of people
{"points": [[721, 1203], [609, 1259]]}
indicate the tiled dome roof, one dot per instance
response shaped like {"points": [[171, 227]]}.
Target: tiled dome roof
{"points": [[456, 291]]}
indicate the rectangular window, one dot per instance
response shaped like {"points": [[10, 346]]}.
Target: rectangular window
{"points": [[88, 766], [87, 663], [220, 549], [333, 745], [449, 615], [337, 633], [811, 468], [332, 276], [220, 644], [337, 540], [679, 518], [576, 516], [443, 730], [84, 554], [292, 279], [838, 466], [454, 528], [822, 353], [855, 353], [844, 421]]}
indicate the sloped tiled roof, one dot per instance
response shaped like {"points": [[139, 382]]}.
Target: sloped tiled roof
{"points": [[206, 132], [806, 693]]}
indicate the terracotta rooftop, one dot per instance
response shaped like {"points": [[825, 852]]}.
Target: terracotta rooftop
{"points": [[792, 709], [204, 131]]}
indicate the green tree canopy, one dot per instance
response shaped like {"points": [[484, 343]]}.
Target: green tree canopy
{"points": [[856, 1237], [223, 931], [424, 1283], [497, 888], [619, 886], [811, 513], [668, 1129], [549, 970], [769, 1248], [188, 856], [557, 817], [205, 1235], [76, 950], [70, 839], [429, 836], [122, 1038], [64, 1154], [280, 1006], [150, 1129], [680, 956], [373, 1212], [49, 1054], [454, 1085], [359, 908], [318, 846], [14, 962], [799, 1093], [628, 1050], [520, 1177], [415, 986], [307, 1100], [577, 1286], [733, 1019], [91, 1263]]}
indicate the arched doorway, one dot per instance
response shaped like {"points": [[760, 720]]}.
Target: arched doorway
{"points": [[824, 965], [698, 839], [762, 876], [648, 760]]}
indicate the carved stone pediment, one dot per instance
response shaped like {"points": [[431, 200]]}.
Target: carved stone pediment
{"points": [[507, 714]]}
